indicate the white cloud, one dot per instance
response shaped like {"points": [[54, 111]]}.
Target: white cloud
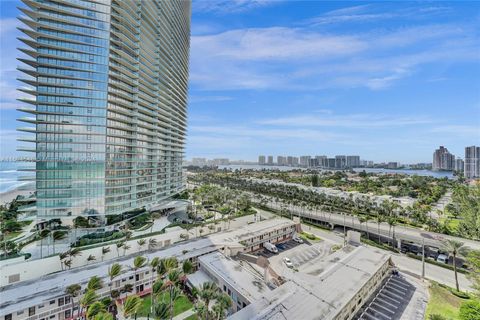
{"points": [[198, 99], [8, 25], [274, 44], [460, 130], [229, 6], [302, 59], [366, 121]]}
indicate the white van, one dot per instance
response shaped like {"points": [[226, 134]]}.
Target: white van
{"points": [[270, 247], [442, 258]]}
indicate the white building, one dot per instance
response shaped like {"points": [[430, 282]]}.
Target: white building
{"points": [[472, 162], [350, 277], [261, 160]]}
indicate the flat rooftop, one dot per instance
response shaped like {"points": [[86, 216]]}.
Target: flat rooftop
{"points": [[248, 284], [309, 296]]}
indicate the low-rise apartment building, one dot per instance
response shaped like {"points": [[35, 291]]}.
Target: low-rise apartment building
{"points": [[45, 298]]}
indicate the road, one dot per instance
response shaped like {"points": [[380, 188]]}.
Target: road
{"points": [[406, 264], [403, 233]]}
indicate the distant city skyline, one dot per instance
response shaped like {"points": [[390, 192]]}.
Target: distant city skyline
{"points": [[387, 80]]}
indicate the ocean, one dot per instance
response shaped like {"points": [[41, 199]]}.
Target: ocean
{"points": [[9, 175]]}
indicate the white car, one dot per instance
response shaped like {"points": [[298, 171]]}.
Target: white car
{"points": [[297, 239], [442, 258], [288, 262]]}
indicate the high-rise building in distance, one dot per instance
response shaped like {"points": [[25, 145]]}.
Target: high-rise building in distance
{"points": [[270, 160], [261, 160], [109, 81], [472, 162], [305, 161], [353, 161], [443, 160], [459, 165]]}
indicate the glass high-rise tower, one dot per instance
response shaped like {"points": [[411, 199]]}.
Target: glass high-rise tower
{"points": [[108, 80]]}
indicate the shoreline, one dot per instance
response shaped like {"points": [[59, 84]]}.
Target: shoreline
{"points": [[10, 195]]}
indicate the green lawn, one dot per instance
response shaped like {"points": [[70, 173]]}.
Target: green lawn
{"points": [[182, 304], [192, 317], [12, 235], [310, 237], [443, 302]]}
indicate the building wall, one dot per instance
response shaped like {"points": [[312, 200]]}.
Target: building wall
{"points": [[373, 284], [472, 162], [110, 111]]}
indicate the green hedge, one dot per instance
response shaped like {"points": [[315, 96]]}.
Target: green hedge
{"points": [[98, 238]]}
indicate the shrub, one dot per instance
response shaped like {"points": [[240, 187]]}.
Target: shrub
{"points": [[470, 310], [436, 317]]}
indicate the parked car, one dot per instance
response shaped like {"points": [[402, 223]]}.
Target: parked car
{"points": [[270, 247], [442, 258], [297, 239], [288, 262]]}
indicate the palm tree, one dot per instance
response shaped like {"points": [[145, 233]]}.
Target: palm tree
{"points": [[43, 234], [363, 218], [114, 271], [208, 292], [380, 218], [392, 222], [128, 287], [160, 310], [105, 250], [62, 256], [223, 302], [73, 291], [88, 298], [126, 246], [58, 235], [138, 262], [91, 258], [94, 283], [157, 289], [175, 293], [67, 263], [454, 248], [170, 264], [154, 265], [103, 316], [119, 244], [130, 306], [152, 243], [187, 267], [95, 308], [141, 243]]}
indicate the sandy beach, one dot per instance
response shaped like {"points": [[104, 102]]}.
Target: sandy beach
{"points": [[8, 196]]}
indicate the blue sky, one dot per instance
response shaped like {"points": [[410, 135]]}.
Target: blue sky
{"points": [[389, 81]]}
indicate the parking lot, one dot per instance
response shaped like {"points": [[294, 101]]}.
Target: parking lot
{"points": [[302, 255], [398, 298]]}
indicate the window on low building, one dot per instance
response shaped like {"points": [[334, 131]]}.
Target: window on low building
{"points": [[31, 311], [8, 316]]}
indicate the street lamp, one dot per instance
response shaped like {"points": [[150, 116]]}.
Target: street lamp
{"points": [[425, 236]]}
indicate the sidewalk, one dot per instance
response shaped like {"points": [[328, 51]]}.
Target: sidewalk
{"points": [[185, 314]]}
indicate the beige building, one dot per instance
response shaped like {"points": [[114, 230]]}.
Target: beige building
{"points": [[44, 297]]}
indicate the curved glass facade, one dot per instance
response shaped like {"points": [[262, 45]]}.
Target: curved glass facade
{"points": [[109, 82]]}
